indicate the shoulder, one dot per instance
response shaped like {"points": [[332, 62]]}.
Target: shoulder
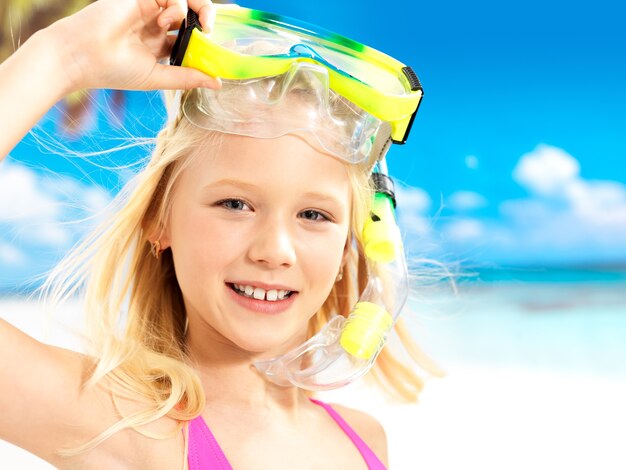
{"points": [[42, 392], [159, 443], [368, 428], [48, 408]]}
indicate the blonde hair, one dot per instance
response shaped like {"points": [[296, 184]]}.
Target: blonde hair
{"points": [[135, 311]]}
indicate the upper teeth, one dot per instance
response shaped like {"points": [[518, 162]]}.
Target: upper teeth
{"points": [[262, 294]]}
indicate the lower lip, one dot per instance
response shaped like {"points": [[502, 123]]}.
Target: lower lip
{"points": [[263, 306]]}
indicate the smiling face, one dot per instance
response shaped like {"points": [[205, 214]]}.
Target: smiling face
{"points": [[258, 231]]}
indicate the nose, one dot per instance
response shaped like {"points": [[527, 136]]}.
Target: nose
{"points": [[273, 245]]}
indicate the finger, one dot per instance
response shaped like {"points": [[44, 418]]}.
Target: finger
{"points": [[207, 16], [167, 77], [174, 12]]}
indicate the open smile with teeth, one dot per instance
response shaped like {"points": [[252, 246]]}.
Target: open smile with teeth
{"points": [[257, 293]]}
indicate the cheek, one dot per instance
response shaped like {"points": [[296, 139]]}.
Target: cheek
{"points": [[201, 247], [323, 257]]}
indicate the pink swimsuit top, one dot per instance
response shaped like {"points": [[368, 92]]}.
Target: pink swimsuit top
{"points": [[205, 453]]}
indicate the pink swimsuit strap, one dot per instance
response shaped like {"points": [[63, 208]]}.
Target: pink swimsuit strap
{"points": [[205, 453], [373, 462]]}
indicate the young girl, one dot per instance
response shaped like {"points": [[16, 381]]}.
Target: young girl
{"points": [[216, 297]]}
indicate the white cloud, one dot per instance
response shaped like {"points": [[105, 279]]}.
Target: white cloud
{"points": [[466, 201], [21, 195], [565, 215], [36, 211], [75, 195], [546, 170], [413, 206], [96, 199], [564, 218], [471, 162], [413, 199], [465, 230], [598, 202], [526, 211], [10, 255], [559, 194], [45, 234]]}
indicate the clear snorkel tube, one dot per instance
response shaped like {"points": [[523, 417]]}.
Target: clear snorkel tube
{"points": [[346, 348]]}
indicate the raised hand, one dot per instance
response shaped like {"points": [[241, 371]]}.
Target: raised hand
{"points": [[116, 44], [120, 43]]}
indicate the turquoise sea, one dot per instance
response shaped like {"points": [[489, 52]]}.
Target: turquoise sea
{"points": [[560, 320]]}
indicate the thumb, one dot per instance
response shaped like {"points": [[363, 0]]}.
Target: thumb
{"points": [[169, 77]]}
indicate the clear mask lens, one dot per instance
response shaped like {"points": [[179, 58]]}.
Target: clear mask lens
{"points": [[299, 100]]}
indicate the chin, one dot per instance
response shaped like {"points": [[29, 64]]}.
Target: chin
{"points": [[268, 346]]}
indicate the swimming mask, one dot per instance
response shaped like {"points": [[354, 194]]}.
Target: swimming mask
{"points": [[346, 88]]}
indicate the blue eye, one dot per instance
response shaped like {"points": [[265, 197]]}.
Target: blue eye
{"points": [[313, 215], [233, 204]]}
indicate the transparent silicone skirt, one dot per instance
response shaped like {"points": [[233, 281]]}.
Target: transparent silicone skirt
{"points": [[299, 100]]}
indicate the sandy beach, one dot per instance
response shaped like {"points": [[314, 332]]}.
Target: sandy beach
{"points": [[479, 416]]}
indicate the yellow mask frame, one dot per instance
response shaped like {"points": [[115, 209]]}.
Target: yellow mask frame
{"points": [[372, 80]]}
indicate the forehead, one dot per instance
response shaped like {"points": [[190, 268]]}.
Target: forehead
{"points": [[289, 162]]}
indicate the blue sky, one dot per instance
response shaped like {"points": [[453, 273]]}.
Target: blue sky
{"points": [[515, 158], [519, 143]]}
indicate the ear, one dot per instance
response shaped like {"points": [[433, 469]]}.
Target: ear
{"points": [[346, 251], [166, 239], [161, 235]]}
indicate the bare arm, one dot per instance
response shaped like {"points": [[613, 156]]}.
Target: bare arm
{"points": [[38, 384], [109, 44], [31, 82]]}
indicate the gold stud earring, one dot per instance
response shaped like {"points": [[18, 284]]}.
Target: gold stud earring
{"points": [[340, 275], [156, 249]]}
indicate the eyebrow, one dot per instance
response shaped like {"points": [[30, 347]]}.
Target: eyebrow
{"points": [[323, 197], [230, 182], [249, 186]]}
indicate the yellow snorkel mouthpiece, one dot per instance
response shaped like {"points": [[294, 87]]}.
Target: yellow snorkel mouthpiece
{"points": [[366, 329]]}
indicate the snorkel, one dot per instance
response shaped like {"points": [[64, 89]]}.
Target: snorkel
{"points": [[329, 74]]}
